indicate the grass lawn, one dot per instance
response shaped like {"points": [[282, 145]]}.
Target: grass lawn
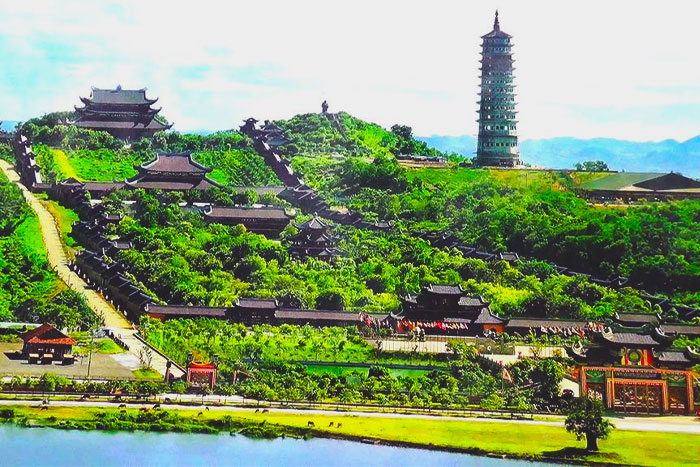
{"points": [[459, 179], [98, 165], [147, 374], [29, 234], [623, 447], [104, 346], [64, 166], [65, 218]]}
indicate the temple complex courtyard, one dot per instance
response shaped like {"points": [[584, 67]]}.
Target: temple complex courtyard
{"points": [[103, 366]]}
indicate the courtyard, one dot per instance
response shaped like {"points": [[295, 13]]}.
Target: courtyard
{"points": [[103, 366]]}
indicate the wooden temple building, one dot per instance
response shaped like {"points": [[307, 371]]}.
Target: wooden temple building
{"points": [[497, 144], [440, 309], [46, 344], [126, 114], [268, 221], [253, 311], [172, 172], [637, 373], [313, 239]]}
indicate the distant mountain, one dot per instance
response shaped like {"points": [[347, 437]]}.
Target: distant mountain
{"points": [[8, 125], [630, 156]]}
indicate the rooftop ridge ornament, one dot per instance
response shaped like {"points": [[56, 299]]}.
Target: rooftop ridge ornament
{"points": [[496, 24]]}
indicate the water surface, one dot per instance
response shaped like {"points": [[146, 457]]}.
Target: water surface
{"points": [[56, 448]]}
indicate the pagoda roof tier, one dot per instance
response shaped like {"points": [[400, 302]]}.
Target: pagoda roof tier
{"points": [[176, 164], [680, 329], [121, 125], [174, 185], [486, 317], [444, 289], [307, 239], [116, 113], [545, 323], [628, 338], [314, 224], [119, 96], [636, 319], [257, 303], [246, 213]]}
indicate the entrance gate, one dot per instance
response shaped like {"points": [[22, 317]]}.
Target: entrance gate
{"points": [[639, 396]]}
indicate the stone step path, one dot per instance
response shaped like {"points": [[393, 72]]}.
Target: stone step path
{"points": [[113, 319]]}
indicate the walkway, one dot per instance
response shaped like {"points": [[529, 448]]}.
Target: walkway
{"points": [[57, 259]]}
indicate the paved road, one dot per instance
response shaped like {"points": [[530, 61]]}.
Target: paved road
{"points": [[57, 259], [689, 425]]}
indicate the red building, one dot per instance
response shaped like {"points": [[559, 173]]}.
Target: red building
{"points": [[635, 373], [47, 343]]}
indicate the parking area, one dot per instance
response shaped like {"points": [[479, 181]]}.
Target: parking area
{"points": [[102, 366]]}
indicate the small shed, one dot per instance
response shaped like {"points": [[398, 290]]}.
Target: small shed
{"points": [[47, 340]]}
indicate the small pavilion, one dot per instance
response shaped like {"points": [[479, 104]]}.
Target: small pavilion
{"points": [[46, 343]]}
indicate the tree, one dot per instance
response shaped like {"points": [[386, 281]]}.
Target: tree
{"points": [[585, 419], [145, 355], [592, 166], [330, 300]]}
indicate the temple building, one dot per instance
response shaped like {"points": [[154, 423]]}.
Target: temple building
{"points": [[172, 172], [46, 344], [634, 186], [268, 221], [124, 113], [637, 373], [498, 140], [313, 239], [447, 308]]}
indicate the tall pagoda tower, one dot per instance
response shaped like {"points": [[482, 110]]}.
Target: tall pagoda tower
{"points": [[498, 140]]}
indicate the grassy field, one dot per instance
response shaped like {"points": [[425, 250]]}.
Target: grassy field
{"points": [[64, 166], [65, 218], [147, 374], [29, 234], [459, 179], [533, 441]]}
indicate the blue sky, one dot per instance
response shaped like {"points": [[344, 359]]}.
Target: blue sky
{"points": [[625, 69]]}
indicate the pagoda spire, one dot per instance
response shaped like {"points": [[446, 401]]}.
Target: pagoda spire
{"points": [[496, 24]]}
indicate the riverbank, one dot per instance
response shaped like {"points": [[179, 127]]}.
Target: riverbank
{"points": [[514, 440]]}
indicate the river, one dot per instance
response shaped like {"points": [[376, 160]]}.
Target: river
{"points": [[38, 447]]}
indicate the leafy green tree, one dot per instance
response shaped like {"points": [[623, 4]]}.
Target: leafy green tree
{"points": [[585, 419]]}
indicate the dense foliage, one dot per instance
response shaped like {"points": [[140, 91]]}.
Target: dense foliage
{"points": [[180, 260], [653, 244], [343, 134], [263, 352], [29, 290], [65, 150]]}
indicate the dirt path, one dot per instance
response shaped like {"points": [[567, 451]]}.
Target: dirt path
{"points": [[113, 319]]}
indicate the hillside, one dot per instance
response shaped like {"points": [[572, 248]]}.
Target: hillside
{"points": [[342, 134], [630, 156]]}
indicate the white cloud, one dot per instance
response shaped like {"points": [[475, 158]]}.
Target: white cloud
{"points": [[386, 61]]}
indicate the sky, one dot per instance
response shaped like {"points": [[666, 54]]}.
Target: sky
{"points": [[621, 69]]}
